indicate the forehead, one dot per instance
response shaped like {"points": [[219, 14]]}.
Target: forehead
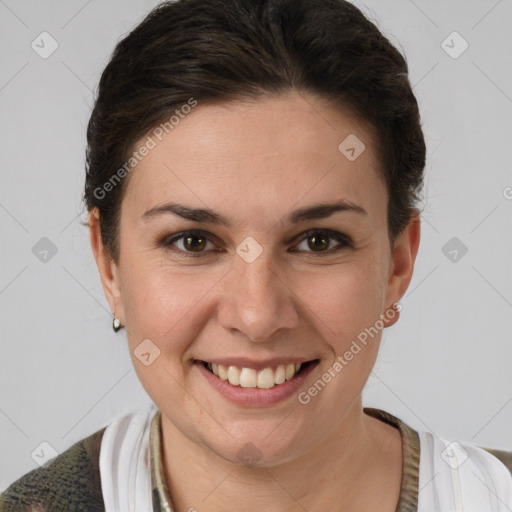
{"points": [[264, 151]]}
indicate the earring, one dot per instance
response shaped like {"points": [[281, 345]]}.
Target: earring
{"points": [[116, 324]]}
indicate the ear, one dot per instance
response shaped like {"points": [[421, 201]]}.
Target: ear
{"points": [[108, 270], [402, 261]]}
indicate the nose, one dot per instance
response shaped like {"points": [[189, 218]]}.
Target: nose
{"points": [[257, 300]]}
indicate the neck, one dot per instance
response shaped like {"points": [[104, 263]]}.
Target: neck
{"points": [[355, 466]]}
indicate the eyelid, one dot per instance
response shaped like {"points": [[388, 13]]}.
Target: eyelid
{"points": [[168, 241], [336, 235]]}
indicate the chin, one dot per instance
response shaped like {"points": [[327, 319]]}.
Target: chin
{"points": [[258, 446]]}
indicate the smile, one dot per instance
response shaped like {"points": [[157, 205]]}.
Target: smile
{"points": [[249, 383], [264, 378], [250, 378]]}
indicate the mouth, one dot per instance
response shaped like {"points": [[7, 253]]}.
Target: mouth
{"points": [[263, 378]]}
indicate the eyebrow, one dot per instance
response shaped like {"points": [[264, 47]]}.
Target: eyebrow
{"points": [[316, 211]]}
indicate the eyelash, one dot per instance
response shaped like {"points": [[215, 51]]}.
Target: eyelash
{"points": [[339, 237]]}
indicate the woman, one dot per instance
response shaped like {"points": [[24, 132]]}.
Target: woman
{"points": [[253, 172]]}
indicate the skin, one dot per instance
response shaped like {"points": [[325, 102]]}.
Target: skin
{"points": [[255, 162]]}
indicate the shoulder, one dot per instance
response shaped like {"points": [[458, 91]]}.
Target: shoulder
{"points": [[453, 472], [440, 474], [455, 453], [452, 453], [505, 457], [70, 482]]}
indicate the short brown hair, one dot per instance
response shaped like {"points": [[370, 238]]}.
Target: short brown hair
{"points": [[228, 50]]}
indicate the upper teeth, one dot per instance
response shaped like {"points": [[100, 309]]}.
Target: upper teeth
{"points": [[251, 378]]}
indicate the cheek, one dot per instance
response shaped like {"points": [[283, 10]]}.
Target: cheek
{"points": [[162, 306], [162, 303], [344, 300]]}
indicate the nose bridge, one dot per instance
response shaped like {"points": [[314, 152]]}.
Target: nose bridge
{"points": [[257, 302], [256, 277]]}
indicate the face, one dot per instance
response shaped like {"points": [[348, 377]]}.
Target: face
{"points": [[261, 278]]}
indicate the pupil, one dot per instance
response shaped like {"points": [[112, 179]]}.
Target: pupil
{"points": [[192, 244], [319, 238]]}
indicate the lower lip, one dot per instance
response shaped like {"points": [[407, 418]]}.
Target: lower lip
{"points": [[255, 396]]}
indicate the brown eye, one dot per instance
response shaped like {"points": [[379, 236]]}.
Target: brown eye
{"points": [[194, 243], [189, 243], [318, 241]]}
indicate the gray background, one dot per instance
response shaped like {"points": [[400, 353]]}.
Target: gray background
{"points": [[444, 367]]}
